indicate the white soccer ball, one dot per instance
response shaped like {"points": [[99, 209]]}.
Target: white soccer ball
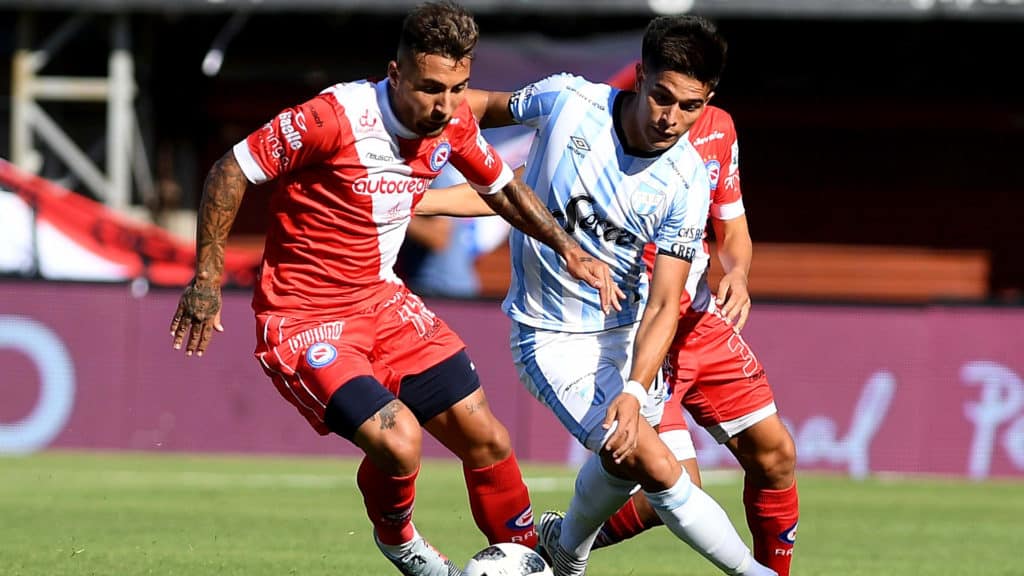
{"points": [[507, 559]]}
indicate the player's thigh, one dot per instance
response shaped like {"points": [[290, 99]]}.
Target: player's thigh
{"points": [[421, 359], [730, 392], [465, 425], [674, 431], [575, 375], [765, 447], [310, 360], [651, 463]]}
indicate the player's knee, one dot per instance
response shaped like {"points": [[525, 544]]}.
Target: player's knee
{"points": [[472, 432], [784, 464], [663, 472], [369, 415], [654, 469], [392, 439], [489, 443], [774, 465]]}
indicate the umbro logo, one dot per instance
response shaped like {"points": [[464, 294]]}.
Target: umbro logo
{"points": [[580, 144]]}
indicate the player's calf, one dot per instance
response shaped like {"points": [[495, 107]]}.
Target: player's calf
{"points": [[770, 498]]}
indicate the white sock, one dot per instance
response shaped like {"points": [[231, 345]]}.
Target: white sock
{"points": [[695, 518], [598, 495]]}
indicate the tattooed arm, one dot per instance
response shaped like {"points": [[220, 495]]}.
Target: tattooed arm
{"points": [[517, 204], [198, 312]]}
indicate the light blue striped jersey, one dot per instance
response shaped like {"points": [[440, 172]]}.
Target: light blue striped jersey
{"points": [[611, 201]]}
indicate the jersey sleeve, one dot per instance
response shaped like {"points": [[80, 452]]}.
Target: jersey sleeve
{"points": [[681, 233], [532, 104], [476, 159], [299, 136], [726, 197]]}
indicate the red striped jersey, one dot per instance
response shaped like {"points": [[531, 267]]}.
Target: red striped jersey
{"points": [[347, 176]]}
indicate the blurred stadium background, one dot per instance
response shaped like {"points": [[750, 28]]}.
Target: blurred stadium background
{"points": [[881, 145]]}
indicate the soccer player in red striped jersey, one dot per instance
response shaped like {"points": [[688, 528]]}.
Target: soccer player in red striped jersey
{"points": [[339, 335], [712, 372]]}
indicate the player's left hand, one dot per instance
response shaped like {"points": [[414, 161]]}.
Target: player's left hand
{"points": [[583, 266], [197, 316], [733, 299], [624, 412]]}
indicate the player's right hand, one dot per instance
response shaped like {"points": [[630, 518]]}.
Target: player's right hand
{"points": [[733, 299], [585, 267], [623, 418], [197, 316]]}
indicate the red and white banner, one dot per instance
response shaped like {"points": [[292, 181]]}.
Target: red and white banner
{"points": [[49, 232]]}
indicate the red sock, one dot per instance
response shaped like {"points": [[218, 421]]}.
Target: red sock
{"points": [[623, 525], [501, 503], [389, 502], [772, 518]]}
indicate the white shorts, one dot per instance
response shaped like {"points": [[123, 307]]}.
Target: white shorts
{"points": [[578, 375]]}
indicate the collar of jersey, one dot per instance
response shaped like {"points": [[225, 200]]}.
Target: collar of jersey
{"points": [[391, 122]]}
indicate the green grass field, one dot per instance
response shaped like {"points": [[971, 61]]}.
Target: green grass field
{"points": [[116, 514]]}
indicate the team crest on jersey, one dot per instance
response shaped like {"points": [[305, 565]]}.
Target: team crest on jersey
{"points": [[321, 354], [439, 157], [646, 199], [714, 168]]}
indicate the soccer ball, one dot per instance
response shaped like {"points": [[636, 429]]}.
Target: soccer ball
{"points": [[507, 559]]}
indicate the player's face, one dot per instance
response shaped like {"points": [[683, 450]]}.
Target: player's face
{"points": [[668, 105], [427, 89]]}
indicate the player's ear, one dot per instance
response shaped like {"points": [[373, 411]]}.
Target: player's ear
{"points": [[393, 74], [638, 76]]}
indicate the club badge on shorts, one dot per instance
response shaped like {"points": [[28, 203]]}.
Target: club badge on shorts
{"points": [[321, 354]]}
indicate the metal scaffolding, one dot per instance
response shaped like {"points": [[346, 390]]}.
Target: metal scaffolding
{"points": [[31, 124]]}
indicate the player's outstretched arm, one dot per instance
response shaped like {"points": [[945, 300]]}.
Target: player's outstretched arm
{"points": [[517, 204], [653, 338], [735, 252], [198, 313], [459, 200], [490, 108]]}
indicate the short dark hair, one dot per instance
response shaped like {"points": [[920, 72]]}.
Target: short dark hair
{"points": [[688, 44], [442, 28]]}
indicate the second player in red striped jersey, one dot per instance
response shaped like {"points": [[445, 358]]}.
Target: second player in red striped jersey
{"points": [[713, 373]]}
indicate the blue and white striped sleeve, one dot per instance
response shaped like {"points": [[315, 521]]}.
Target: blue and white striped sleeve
{"points": [[682, 232], [532, 104]]}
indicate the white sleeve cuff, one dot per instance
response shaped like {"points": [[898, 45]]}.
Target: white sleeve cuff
{"points": [[504, 178], [728, 211], [248, 164]]}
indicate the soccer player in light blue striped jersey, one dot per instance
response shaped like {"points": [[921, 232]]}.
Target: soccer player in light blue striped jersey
{"points": [[617, 172]]}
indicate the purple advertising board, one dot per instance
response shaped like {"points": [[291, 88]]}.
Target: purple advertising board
{"points": [[863, 389]]}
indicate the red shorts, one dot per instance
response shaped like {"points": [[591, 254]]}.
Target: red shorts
{"points": [[309, 359], [713, 374]]}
